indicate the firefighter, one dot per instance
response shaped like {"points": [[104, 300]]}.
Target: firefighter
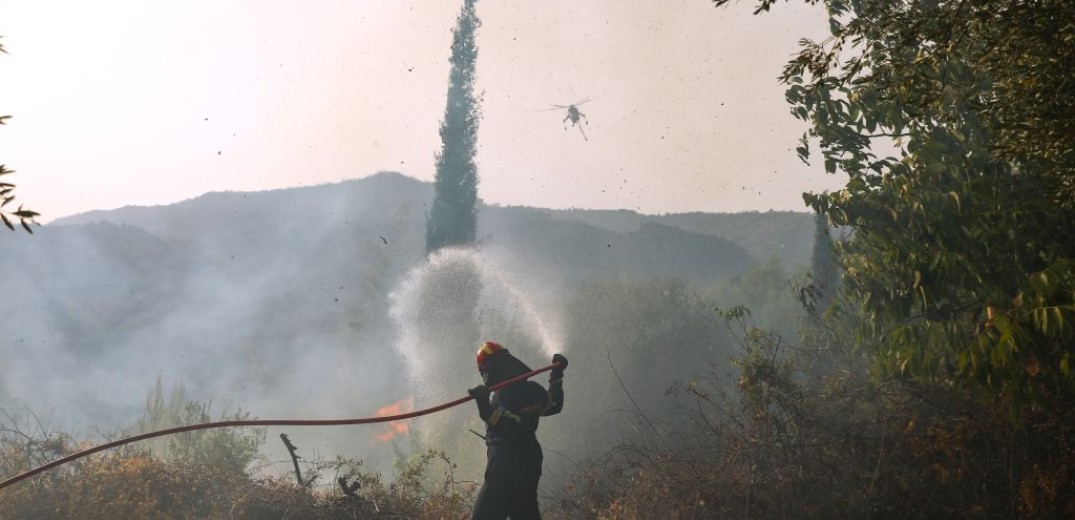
{"points": [[511, 420]]}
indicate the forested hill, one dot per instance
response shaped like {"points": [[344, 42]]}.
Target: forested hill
{"points": [[263, 279], [250, 221], [244, 227], [788, 235]]}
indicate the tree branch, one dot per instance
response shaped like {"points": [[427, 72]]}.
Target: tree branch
{"points": [[294, 458]]}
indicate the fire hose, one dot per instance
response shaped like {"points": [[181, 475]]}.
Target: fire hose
{"points": [[264, 422]]}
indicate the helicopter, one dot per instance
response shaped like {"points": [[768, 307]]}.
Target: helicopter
{"points": [[574, 115]]}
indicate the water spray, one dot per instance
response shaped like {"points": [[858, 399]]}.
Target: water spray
{"points": [[265, 422]]}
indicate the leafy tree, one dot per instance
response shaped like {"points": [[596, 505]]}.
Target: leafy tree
{"points": [[453, 219], [635, 337], [962, 254], [766, 290], [25, 216]]}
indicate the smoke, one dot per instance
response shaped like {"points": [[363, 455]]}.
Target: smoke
{"points": [[312, 315], [279, 316], [308, 316]]}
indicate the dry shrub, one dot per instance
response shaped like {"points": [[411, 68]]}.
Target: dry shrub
{"points": [[138, 486], [783, 444], [681, 489], [131, 484], [121, 485]]}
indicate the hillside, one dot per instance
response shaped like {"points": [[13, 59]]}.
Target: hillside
{"points": [[280, 301], [787, 235], [581, 250], [382, 203]]}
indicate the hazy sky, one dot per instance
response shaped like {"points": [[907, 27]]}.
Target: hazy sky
{"points": [[142, 102]]}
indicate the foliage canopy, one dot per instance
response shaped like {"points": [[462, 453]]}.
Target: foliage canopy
{"points": [[954, 122]]}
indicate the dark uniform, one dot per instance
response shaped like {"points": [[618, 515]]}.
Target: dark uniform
{"points": [[511, 420]]}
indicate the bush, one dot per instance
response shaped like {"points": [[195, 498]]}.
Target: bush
{"points": [[208, 475], [130, 483], [231, 449], [785, 444]]}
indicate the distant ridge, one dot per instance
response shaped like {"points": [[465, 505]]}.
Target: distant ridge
{"points": [[762, 235], [787, 235], [388, 184]]}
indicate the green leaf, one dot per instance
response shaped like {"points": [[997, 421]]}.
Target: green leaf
{"points": [[955, 198]]}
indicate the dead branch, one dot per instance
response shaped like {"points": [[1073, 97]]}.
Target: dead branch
{"points": [[294, 458]]}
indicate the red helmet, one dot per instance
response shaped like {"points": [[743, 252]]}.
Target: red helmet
{"points": [[487, 350]]}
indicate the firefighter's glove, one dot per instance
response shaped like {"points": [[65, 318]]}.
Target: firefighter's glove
{"points": [[558, 372], [480, 394]]}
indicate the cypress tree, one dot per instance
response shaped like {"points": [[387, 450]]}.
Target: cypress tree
{"points": [[452, 220], [825, 269]]}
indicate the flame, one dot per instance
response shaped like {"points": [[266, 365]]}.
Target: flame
{"points": [[394, 428]]}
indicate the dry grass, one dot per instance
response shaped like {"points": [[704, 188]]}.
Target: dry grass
{"points": [[129, 484]]}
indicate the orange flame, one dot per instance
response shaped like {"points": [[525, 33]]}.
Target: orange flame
{"points": [[394, 428]]}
